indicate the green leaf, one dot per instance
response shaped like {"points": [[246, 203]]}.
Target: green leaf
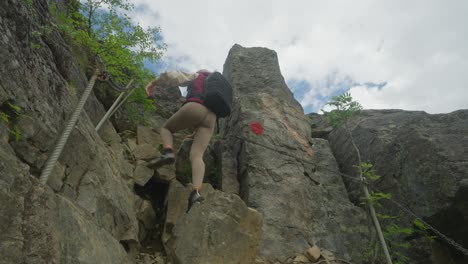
{"points": [[393, 229], [403, 245], [384, 216], [4, 117], [345, 108], [15, 108], [420, 225], [366, 165], [381, 195], [368, 172], [16, 133]]}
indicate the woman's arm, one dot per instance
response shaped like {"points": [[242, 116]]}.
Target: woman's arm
{"points": [[175, 78], [170, 79]]}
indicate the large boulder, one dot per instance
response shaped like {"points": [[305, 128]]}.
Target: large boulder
{"points": [[220, 230], [422, 161], [282, 172], [36, 225]]}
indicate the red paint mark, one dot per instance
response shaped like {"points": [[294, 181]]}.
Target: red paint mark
{"points": [[256, 127]]}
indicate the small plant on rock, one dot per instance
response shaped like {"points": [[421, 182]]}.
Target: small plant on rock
{"points": [[9, 115], [345, 108]]}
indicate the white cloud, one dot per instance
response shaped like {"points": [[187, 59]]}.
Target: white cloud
{"points": [[419, 48]]}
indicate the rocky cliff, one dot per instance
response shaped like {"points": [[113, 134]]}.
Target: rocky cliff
{"points": [[422, 159], [270, 196], [291, 178], [87, 205]]}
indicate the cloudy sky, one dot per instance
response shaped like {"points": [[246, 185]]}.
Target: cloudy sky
{"points": [[410, 55]]}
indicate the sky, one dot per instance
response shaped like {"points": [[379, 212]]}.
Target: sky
{"points": [[410, 55]]}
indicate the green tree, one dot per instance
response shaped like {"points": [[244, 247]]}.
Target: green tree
{"points": [[111, 35], [345, 109], [104, 28]]}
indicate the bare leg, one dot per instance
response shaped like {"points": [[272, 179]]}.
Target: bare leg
{"points": [[189, 115], [192, 115], [199, 145]]}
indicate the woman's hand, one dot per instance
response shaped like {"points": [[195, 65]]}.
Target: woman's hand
{"points": [[151, 89], [181, 100]]}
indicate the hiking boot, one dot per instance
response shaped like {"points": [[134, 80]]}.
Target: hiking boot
{"points": [[195, 197], [167, 157]]}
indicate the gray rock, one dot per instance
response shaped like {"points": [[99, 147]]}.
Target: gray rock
{"points": [[146, 217], [14, 187], [46, 87], [166, 101], [280, 171], [220, 230], [131, 142], [313, 254], [42, 233], [142, 174], [229, 181], [30, 154], [145, 152], [147, 135], [56, 177], [422, 161], [165, 174], [94, 179], [301, 259], [320, 127], [262, 68], [88, 240], [175, 204]]}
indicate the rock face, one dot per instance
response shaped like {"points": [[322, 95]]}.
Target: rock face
{"points": [[423, 162], [320, 128], [90, 197], [290, 178], [220, 230], [56, 223]]}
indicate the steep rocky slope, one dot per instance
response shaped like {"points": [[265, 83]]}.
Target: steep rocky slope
{"points": [[276, 193]]}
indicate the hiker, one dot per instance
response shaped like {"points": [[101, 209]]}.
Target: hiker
{"points": [[199, 112]]}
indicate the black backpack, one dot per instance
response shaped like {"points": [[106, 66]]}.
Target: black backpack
{"points": [[217, 94]]}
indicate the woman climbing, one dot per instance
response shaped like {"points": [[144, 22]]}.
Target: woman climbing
{"points": [[199, 112]]}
